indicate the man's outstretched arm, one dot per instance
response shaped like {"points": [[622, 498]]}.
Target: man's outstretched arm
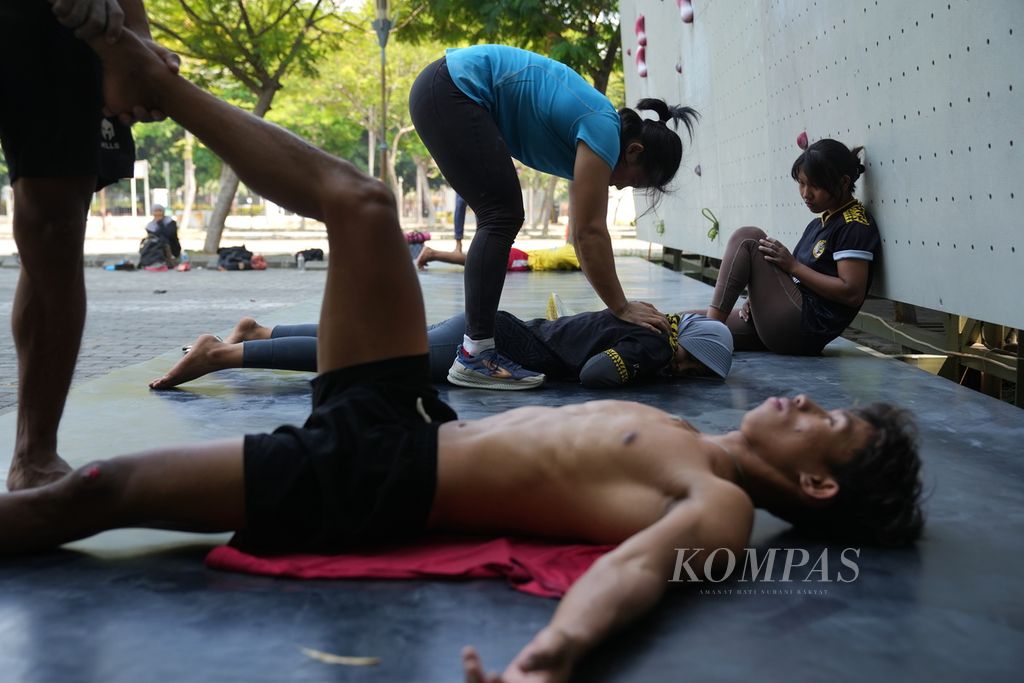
{"points": [[627, 582]]}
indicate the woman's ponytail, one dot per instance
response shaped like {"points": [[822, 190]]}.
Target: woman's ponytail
{"points": [[663, 149]]}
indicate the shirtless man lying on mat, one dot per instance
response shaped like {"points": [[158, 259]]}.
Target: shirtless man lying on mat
{"points": [[606, 472]]}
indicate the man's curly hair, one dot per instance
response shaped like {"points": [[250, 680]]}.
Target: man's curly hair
{"points": [[879, 498]]}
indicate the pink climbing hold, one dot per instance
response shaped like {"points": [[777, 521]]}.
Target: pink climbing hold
{"points": [[685, 10], [696, 169], [641, 62], [629, 52], [641, 31], [801, 140]]}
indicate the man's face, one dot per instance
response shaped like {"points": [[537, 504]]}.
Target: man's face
{"points": [[797, 434], [684, 364], [158, 214]]}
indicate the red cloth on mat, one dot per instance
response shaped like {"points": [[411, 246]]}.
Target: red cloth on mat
{"points": [[534, 567]]}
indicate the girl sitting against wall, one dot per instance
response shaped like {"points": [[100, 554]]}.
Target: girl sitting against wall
{"points": [[799, 301]]}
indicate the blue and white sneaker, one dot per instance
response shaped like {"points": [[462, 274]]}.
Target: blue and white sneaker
{"points": [[491, 370]]}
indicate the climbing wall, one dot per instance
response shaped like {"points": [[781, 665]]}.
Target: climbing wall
{"points": [[931, 89]]}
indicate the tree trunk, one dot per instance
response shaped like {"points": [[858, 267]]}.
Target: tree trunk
{"points": [[371, 150], [423, 194], [607, 64], [190, 181], [547, 205], [229, 180], [569, 237], [103, 209], [396, 186]]}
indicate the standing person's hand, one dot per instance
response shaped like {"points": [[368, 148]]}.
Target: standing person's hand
{"points": [[776, 252], [90, 18], [643, 314]]}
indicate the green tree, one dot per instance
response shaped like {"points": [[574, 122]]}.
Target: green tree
{"points": [[581, 33], [163, 143], [247, 48], [339, 108]]}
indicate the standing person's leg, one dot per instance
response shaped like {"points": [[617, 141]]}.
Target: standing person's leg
{"points": [[47, 317], [471, 153], [50, 131], [370, 258], [776, 302]]}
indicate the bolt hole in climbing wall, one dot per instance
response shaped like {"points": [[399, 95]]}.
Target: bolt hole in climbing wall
{"points": [[932, 90]]}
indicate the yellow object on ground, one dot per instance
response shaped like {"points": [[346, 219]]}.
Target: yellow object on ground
{"points": [[559, 258], [556, 308]]}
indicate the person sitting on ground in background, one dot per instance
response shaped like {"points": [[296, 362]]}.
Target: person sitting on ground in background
{"points": [[381, 459], [165, 227], [596, 349], [556, 258], [160, 248], [798, 302]]}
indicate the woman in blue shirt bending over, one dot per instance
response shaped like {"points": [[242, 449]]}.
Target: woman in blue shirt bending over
{"points": [[479, 107]]}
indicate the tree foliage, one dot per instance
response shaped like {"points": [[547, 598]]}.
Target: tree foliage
{"points": [[581, 33], [246, 48]]}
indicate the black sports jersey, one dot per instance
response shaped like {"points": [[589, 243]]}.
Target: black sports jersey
{"points": [[560, 348], [849, 232]]}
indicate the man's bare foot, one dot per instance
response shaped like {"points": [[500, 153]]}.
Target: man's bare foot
{"points": [[248, 329], [23, 476], [425, 257], [204, 357], [132, 72]]}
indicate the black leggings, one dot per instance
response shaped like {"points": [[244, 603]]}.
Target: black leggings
{"points": [[471, 153]]}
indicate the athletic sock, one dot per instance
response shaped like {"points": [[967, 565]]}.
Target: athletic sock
{"points": [[476, 346]]}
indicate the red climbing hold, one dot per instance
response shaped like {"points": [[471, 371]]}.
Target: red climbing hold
{"points": [[801, 140], [641, 62], [641, 32], [685, 11]]}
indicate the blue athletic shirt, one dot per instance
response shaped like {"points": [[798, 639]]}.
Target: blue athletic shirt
{"points": [[849, 232], [542, 107]]}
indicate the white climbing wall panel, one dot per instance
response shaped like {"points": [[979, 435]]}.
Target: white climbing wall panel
{"points": [[931, 89]]}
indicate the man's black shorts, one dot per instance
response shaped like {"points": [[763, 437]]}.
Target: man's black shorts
{"points": [[362, 470], [51, 122]]}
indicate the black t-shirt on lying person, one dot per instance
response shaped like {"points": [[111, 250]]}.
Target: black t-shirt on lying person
{"points": [[561, 348]]}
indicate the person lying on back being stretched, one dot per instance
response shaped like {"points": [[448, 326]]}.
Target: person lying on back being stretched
{"points": [[382, 459], [595, 348]]}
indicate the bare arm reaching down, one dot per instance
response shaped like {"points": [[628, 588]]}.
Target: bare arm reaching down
{"points": [[627, 582], [594, 244]]}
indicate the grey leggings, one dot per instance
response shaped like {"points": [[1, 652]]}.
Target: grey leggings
{"points": [[776, 303], [293, 347]]}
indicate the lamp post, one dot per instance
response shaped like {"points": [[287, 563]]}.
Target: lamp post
{"points": [[382, 25]]}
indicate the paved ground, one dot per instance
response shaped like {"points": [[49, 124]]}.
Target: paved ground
{"points": [[129, 322]]}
